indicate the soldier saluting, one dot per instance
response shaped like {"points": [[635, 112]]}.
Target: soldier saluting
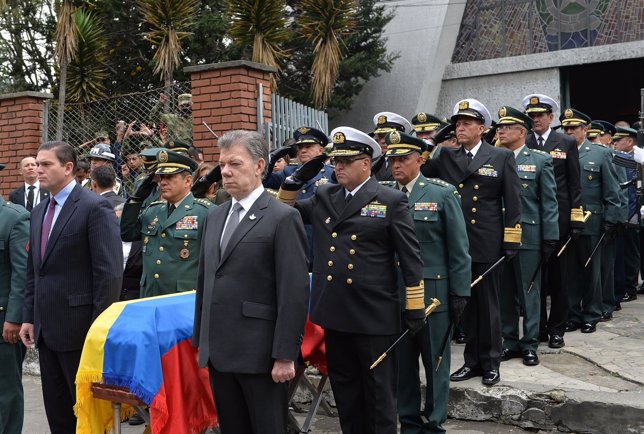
{"points": [[486, 178]]}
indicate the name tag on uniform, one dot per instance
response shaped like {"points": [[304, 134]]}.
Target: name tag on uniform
{"points": [[527, 168], [189, 222], [488, 171], [558, 153], [426, 206], [374, 210]]}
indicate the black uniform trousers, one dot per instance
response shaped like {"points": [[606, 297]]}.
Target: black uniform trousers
{"points": [[482, 319], [58, 372], [554, 284], [627, 263], [366, 399], [244, 409], [12, 402]]}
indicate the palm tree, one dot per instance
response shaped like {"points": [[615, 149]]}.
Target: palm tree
{"points": [[87, 70], [260, 24], [324, 23], [168, 22], [64, 52]]}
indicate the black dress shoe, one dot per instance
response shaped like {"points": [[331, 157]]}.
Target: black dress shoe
{"points": [[490, 378], [465, 373], [543, 336], [640, 290], [461, 338], [530, 358], [509, 354], [572, 326], [588, 328], [556, 341], [606, 316], [136, 419], [629, 297], [618, 306]]}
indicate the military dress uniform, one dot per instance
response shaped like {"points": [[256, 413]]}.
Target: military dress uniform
{"points": [[171, 238], [539, 223], [436, 210], [14, 237], [354, 294], [565, 156], [490, 194], [600, 196], [384, 123]]}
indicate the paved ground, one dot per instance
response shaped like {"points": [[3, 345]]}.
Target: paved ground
{"points": [[594, 384]]}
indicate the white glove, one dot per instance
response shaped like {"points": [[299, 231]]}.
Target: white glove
{"points": [[638, 154]]}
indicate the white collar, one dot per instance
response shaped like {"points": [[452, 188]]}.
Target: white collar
{"points": [[474, 150], [518, 151], [35, 184], [544, 135], [411, 184], [176, 205], [355, 190], [249, 200]]}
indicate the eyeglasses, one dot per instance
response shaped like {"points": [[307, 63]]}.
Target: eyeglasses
{"points": [[507, 127], [345, 161]]}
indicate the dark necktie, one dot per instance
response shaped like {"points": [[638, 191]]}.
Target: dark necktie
{"points": [[348, 198], [46, 226], [30, 198], [171, 208], [233, 222], [470, 156], [404, 190], [540, 139]]}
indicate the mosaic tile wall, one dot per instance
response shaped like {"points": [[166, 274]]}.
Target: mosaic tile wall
{"points": [[504, 28]]}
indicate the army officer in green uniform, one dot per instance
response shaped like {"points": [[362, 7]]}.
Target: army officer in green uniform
{"points": [[170, 228], [539, 220], [435, 207], [600, 196], [14, 235]]}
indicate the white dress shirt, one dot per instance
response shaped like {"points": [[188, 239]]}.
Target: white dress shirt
{"points": [[36, 192]]}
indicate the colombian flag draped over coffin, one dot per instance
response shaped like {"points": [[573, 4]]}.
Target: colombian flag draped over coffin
{"points": [[145, 345]]}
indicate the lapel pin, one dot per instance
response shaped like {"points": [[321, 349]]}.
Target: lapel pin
{"points": [[328, 220], [252, 217]]}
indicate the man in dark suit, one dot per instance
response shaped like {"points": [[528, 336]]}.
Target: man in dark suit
{"points": [[30, 193], [103, 180], [74, 272], [565, 155], [361, 230], [486, 178], [252, 294]]}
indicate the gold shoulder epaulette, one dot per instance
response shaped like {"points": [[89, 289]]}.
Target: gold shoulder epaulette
{"points": [[439, 181], [538, 151], [272, 192], [388, 183], [204, 202], [159, 202]]}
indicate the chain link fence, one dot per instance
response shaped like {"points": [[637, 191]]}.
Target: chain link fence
{"points": [[150, 118]]}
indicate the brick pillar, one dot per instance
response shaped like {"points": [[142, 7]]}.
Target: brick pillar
{"points": [[21, 127], [224, 95]]}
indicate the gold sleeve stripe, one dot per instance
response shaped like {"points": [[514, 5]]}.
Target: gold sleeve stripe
{"points": [[288, 197], [577, 214], [512, 235], [416, 296]]}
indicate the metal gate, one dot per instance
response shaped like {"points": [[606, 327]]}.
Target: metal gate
{"points": [[287, 116]]}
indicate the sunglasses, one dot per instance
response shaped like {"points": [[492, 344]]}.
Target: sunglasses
{"points": [[345, 161]]}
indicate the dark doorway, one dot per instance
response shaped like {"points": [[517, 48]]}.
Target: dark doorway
{"points": [[610, 91]]}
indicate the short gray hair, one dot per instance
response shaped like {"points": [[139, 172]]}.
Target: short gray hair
{"points": [[251, 140]]}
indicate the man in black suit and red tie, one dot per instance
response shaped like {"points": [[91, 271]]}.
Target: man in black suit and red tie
{"points": [[30, 193], [252, 294], [565, 156], [74, 272]]}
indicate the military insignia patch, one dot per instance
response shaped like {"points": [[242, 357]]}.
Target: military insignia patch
{"points": [[422, 117], [322, 181], [534, 100], [558, 154], [426, 206], [463, 105], [486, 171], [502, 112], [184, 253], [382, 119], [189, 223], [527, 168], [374, 210], [338, 138], [303, 130], [568, 113], [163, 157], [394, 137]]}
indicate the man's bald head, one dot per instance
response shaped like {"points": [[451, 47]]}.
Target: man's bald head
{"points": [[28, 169]]}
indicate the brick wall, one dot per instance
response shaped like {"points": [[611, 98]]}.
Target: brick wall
{"points": [[21, 123], [224, 95]]}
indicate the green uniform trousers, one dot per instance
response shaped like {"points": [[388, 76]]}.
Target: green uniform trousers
{"points": [[584, 294], [12, 403], [515, 283], [609, 251], [426, 344]]}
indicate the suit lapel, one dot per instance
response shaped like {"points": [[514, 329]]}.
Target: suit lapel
{"points": [[417, 192], [37, 217], [43, 194], [481, 157], [252, 217], [65, 213], [363, 197], [552, 142]]}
